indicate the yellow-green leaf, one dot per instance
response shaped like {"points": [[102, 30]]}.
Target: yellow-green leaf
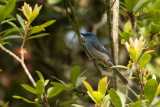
{"points": [[145, 58], [88, 87], [128, 27], [148, 51], [132, 53], [97, 97], [102, 86]]}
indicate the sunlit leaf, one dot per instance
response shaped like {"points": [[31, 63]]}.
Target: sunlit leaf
{"points": [[137, 104], [102, 86], [80, 81], [53, 91], [148, 51], [97, 97], [12, 37], [132, 53], [119, 66], [106, 101], [88, 87]]}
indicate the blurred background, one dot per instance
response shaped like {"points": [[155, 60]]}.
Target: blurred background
{"points": [[56, 54]]}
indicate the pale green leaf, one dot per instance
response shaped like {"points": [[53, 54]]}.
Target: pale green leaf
{"points": [[106, 101], [53, 91], [76, 105], [132, 53], [21, 21], [12, 37], [79, 81], [137, 104], [119, 66], [68, 102]]}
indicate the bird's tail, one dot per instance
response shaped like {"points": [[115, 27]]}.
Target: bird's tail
{"points": [[119, 74]]}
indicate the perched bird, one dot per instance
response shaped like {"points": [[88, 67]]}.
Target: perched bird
{"points": [[98, 51]]}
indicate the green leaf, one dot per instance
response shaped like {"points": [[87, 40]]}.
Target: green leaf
{"points": [[13, 25], [33, 15], [144, 60], [102, 86], [150, 90], [60, 81], [60, 85], [137, 104], [74, 73], [46, 82], [68, 102], [132, 53], [141, 24], [128, 27], [53, 91], [134, 93], [88, 87], [119, 66], [38, 36], [106, 101], [130, 4], [24, 99], [122, 97], [155, 28], [79, 81], [12, 37], [40, 87], [96, 97], [48, 23], [7, 9], [141, 5], [127, 35], [29, 88], [20, 21], [148, 51], [76, 105], [40, 76], [153, 43], [115, 98]]}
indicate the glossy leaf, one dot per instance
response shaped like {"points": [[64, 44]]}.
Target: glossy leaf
{"points": [[88, 87], [29, 88], [38, 36], [80, 81], [74, 73], [40, 87], [144, 60], [150, 90], [40, 76], [21, 21], [102, 86], [24, 99], [115, 98]]}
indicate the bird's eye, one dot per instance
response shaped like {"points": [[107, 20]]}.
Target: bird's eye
{"points": [[88, 34]]}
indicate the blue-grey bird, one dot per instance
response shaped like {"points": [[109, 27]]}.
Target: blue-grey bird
{"points": [[98, 51]]}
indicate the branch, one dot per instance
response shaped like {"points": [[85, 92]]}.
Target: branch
{"points": [[76, 27]]}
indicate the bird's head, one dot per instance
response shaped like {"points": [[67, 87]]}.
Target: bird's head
{"points": [[89, 36]]}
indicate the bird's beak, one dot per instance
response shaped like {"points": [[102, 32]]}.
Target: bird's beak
{"points": [[83, 34]]}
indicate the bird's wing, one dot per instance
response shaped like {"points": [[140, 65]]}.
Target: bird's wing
{"points": [[101, 48]]}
